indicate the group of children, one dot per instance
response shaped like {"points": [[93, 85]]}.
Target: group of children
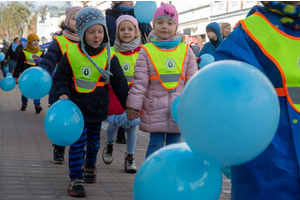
{"points": [[98, 79], [129, 85]]}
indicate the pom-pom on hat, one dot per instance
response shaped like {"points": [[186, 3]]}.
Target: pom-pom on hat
{"points": [[69, 12], [31, 37], [129, 18], [166, 11], [86, 18]]}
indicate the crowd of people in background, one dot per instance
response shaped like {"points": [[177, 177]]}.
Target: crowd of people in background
{"points": [[122, 84]]}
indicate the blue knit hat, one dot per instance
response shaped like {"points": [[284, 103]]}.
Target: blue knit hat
{"points": [[85, 18]]}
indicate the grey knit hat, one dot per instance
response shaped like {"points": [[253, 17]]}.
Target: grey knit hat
{"points": [[85, 18]]}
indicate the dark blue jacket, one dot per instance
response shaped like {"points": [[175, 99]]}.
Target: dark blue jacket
{"points": [[274, 174], [51, 58], [94, 105], [208, 46], [21, 66], [112, 15]]}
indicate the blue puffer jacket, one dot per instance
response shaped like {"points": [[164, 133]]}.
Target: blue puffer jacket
{"points": [[274, 174], [208, 46], [51, 58]]}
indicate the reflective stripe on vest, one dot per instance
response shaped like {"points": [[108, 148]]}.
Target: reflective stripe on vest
{"points": [[28, 56], [62, 42], [270, 39], [127, 62], [86, 76], [168, 64]]}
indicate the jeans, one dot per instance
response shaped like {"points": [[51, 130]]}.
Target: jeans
{"points": [[158, 139], [12, 65], [35, 101]]}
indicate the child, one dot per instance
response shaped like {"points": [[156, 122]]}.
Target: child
{"points": [[127, 46], [225, 29], [30, 56], [215, 39], [268, 39], [161, 71], [79, 78], [13, 53], [55, 52]]}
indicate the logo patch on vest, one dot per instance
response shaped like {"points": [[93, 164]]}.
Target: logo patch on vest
{"points": [[170, 63], [86, 71], [126, 66]]}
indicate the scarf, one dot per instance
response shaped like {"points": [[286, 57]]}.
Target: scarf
{"points": [[122, 8], [288, 14], [126, 46], [32, 49], [14, 46], [166, 43], [69, 33]]}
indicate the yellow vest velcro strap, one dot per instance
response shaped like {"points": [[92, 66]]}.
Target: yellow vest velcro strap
{"points": [[129, 78], [294, 93], [85, 84], [167, 77]]}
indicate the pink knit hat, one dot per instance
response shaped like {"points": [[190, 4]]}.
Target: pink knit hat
{"points": [[129, 18], [69, 12], [166, 11]]}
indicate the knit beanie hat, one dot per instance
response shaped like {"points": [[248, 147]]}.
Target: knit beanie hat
{"points": [[69, 12], [31, 37], [166, 11], [210, 29], [86, 18], [129, 18]]}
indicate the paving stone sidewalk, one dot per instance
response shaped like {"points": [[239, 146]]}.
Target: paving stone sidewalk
{"points": [[26, 168]]}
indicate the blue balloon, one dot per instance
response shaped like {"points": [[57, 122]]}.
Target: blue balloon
{"points": [[8, 74], [144, 10], [206, 59], [64, 123], [174, 108], [226, 170], [35, 83], [2, 56], [8, 83], [6, 69], [228, 112], [175, 172]]}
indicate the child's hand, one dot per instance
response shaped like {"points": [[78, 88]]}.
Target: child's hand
{"points": [[64, 96], [132, 114], [35, 57]]}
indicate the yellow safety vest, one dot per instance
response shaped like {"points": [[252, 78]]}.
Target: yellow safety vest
{"points": [[62, 42], [28, 56], [127, 62], [86, 75], [287, 60], [168, 64]]}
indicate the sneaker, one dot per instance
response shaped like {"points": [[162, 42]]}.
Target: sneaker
{"points": [[129, 163], [76, 188], [24, 106], [38, 108], [90, 174], [107, 154], [58, 155], [121, 136]]}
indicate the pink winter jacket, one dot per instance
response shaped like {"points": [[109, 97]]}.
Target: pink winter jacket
{"points": [[153, 98]]}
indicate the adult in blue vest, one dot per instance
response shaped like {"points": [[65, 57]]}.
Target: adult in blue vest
{"points": [[274, 174]]}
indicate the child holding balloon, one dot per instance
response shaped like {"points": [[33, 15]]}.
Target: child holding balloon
{"points": [[79, 78], [55, 52], [126, 48], [29, 57], [161, 71], [268, 39]]}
